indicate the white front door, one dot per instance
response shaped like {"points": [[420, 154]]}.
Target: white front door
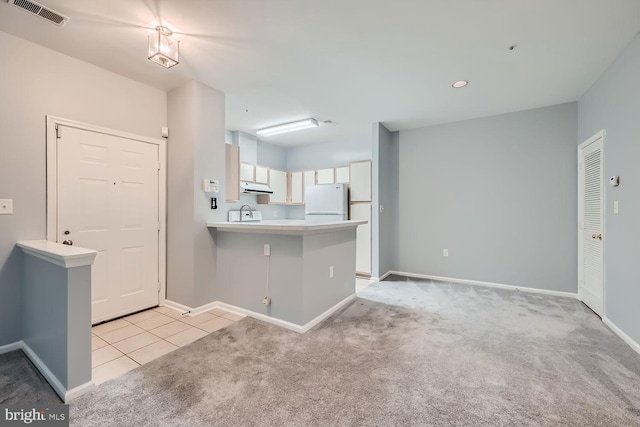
{"points": [[591, 223], [107, 191]]}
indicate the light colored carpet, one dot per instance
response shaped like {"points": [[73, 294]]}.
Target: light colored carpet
{"points": [[405, 353]]}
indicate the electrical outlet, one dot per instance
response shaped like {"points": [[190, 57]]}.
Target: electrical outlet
{"points": [[266, 301], [267, 249], [331, 272], [445, 252], [615, 207]]}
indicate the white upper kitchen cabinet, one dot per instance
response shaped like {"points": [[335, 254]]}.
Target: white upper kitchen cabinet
{"points": [[232, 153], [309, 178], [247, 172], [262, 175], [342, 175], [278, 183], [296, 188], [325, 176], [360, 181]]}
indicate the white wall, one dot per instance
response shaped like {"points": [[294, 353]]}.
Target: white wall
{"points": [[499, 192], [613, 104], [35, 82]]}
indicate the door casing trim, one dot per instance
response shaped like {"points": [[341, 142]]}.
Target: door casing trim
{"points": [[52, 185], [599, 135]]}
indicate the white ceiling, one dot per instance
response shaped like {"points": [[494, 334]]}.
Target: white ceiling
{"points": [[354, 62]]}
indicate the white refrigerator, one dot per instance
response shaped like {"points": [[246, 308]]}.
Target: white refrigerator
{"points": [[326, 203]]}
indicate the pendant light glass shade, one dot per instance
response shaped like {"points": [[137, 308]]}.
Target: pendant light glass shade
{"points": [[163, 48]]}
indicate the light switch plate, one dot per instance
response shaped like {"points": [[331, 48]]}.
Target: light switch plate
{"points": [[6, 206]]}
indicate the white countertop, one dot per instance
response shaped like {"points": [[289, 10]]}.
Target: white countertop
{"points": [[58, 254], [285, 226]]}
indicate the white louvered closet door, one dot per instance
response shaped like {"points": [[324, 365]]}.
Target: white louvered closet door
{"points": [[591, 221]]}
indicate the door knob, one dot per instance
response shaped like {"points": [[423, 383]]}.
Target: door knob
{"points": [[596, 236], [68, 242]]}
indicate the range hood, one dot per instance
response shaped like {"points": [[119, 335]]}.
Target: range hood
{"points": [[253, 188]]}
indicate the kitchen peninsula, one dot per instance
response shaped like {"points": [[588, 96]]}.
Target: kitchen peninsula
{"points": [[305, 269]]}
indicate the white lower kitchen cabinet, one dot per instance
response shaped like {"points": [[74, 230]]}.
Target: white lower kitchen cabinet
{"points": [[362, 211]]}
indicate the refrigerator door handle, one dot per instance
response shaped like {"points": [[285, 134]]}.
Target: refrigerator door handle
{"points": [[323, 213]]}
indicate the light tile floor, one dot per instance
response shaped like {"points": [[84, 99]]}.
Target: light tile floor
{"points": [[124, 344]]}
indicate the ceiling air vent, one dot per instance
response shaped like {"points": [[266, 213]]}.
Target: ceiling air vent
{"points": [[41, 11]]}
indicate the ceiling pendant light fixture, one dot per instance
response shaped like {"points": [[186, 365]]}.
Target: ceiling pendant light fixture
{"points": [[460, 83], [163, 48], [288, 127]]}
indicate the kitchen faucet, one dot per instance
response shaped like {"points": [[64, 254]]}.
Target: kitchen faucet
{"points": [[250, 211]]}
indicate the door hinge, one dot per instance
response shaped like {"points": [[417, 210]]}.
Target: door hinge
{"points": [[58, 132], [158, 165], [158, 287], [158, 225]]}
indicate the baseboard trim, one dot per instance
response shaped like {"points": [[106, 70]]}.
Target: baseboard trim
{"points": [[283, 323], [258, 316], [320, 318], [619, 332], [487, 284], [384, 276], [188, 311], [79, 391], [65, 395], [11, 347], [182, 309], [203, 308]]}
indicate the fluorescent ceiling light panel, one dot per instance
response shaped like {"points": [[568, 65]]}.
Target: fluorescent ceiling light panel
{"points": [[288, 127]]}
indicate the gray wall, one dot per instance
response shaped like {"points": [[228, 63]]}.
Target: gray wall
{"points": [[388, 198], [613, 104], [328, 155], [272, 156], [57, 320], [499, 192], [196, 150], [35, 82], [299, 283]]}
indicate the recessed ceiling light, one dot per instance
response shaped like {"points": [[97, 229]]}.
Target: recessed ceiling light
{"points": [[460, 83]]}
